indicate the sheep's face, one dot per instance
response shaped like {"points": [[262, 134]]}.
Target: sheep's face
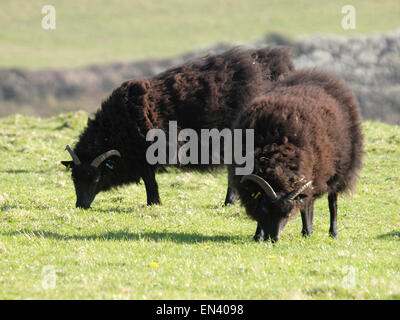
{"points": [[271, 209], [86, 180], [272, 216], [91, 178], [89, 181]]}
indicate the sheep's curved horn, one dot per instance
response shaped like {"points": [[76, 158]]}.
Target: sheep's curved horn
{"points": [[98, 160], [295, 193], [73, 155], [269, 191]]}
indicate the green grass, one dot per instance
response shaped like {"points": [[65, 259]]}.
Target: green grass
{"points": [[96, 31], [190, 247]]}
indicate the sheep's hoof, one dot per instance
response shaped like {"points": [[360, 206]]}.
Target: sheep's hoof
{"points": [[306, 233], [259, 236], [333, 234], [228, 203], [230, 198], [153, 202]]}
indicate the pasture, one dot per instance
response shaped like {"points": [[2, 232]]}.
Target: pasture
{"points": [[190, 247]]}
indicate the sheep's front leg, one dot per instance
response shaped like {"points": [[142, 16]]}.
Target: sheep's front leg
{"points": [[307, 216], [332, 199], [230, 197], [230, 194], [259, 236], [151, 187]]}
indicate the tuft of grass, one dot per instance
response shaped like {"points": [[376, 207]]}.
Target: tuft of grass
{"points": [[190, 247], [98, 31]]}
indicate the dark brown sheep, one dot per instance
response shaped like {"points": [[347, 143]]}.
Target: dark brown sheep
{"points": [[203, 93], [308, 142]]}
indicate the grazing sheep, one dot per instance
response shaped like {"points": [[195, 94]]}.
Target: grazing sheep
{"points": [[203, 93], [275, 64], [308, 142]]}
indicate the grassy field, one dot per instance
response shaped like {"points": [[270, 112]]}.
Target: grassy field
{"points": [[190, 247], [96, 31]]}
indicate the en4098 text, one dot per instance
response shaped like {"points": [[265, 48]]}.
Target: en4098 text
{"points": [[221, 309]]}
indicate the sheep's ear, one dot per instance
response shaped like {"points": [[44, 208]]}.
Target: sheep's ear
{"points": [[109, 164], [300, 197], [68, 164]]}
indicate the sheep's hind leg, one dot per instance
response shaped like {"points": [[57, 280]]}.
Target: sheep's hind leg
{"points": [[151, 188], [307, 216], [332, 199]]}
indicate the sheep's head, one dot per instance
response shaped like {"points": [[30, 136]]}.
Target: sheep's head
{"points": [[273, 210], [90, 178]]}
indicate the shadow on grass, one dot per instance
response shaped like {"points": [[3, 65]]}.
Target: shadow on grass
{"points": [[17, 171], [6, 207], [129, 210], [177, 237], [390, 236]]}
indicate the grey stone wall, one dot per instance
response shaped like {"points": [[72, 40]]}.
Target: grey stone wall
{"points": [[369, 64]]}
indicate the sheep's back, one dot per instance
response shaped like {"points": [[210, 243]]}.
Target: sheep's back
{"points": [[301, 129], [208, 92], [347, 101]]}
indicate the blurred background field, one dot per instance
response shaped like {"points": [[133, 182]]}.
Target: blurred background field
{"points": [[99, 44], [99, 31]]}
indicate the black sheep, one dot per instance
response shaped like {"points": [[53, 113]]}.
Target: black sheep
{"points": [[308, 142], [203, 93]]}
